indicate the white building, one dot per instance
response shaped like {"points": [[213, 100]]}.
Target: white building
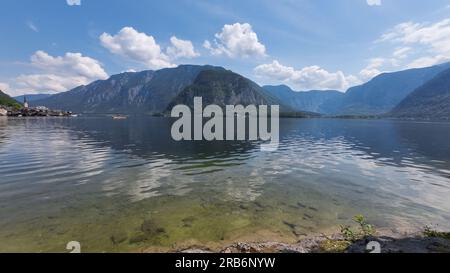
{"points": [[41, 108], [25, 102], [3, 112]]}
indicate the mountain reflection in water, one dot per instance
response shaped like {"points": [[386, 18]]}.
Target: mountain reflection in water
{"points": [[60, 176]]}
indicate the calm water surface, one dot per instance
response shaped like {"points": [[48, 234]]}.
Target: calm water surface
{"points": [[124, 185]]}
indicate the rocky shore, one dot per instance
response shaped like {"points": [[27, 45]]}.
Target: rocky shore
{"points": [[412, 243]]}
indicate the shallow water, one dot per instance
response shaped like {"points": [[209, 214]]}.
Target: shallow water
{"points": [[124, 185]]}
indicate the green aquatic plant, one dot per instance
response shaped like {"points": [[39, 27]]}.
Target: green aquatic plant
{"points": [[365, 229], [348, 233], [430, 232]]}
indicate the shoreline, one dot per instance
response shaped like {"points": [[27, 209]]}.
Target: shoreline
{"points": [[364, 239], [376, 118], [389, 242]]}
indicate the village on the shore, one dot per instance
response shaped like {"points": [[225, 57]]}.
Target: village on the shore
{"points": [[27, 111]]}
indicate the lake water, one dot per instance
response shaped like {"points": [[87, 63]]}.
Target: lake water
{"points": [[124, 185]]}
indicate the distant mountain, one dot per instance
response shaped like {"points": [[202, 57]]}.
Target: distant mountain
{"points": [[140, 92], [430, 101], [384, 92], [31, 97], [153, 91], [223, 87], [324, 102], [6, 100]]}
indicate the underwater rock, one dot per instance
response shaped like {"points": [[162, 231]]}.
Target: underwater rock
{"points": [[290, 225], [243, 207], [150, 227], [308, 216], [258, 204], [298, 233], [188, 221], [119, 237], [138, 238]]}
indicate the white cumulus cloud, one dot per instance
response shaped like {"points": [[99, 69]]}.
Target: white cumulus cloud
{"points": [[48, 83], [60, 73], [402, 52], [428, 61], [69, 64], [136, 46], [307, 78], [374, 2], [73, 2], [372, 69], [4, 87], [237, 40], [431, 39], [181, 49]]}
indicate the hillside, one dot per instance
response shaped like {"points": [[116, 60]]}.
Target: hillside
{"points": [[226, 88], [386, 91], [430, 101], [6, 100]]}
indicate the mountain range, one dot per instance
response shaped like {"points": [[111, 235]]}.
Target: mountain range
{"points": [[431, 100], [152, 92], [131, 92], [324, 102], [378, 96], [155, 92], [384, 92]]}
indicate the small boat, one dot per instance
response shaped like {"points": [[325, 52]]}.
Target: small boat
{"points": [[118, 117], [74, 115]]}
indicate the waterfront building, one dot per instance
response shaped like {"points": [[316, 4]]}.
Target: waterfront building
{"points": [[25, 102]]}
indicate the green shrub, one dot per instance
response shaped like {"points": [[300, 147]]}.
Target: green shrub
{"points": [[364, 229], [430, 232]]}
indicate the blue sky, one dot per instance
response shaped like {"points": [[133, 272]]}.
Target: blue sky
{"points": [[54, 45]]}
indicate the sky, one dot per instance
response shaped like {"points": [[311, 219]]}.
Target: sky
{"points": [[53, 46]]}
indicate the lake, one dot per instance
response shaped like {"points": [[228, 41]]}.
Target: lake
{"points": [[125, 185]]}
